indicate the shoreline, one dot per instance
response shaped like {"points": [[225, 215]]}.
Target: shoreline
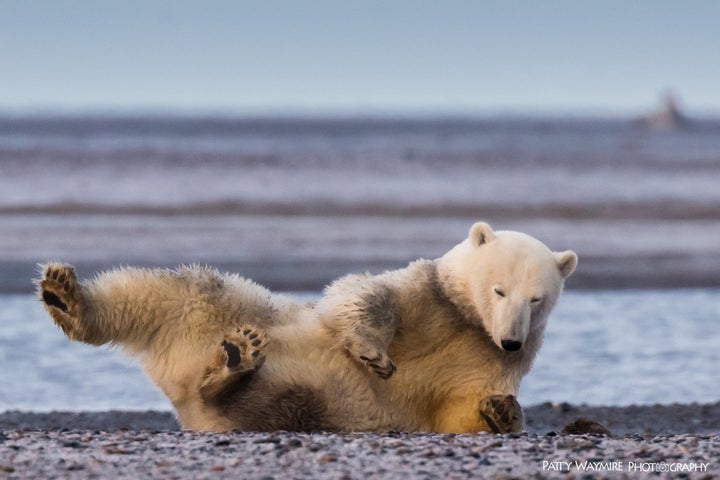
{"points": [[657, 419], [148, 445]]}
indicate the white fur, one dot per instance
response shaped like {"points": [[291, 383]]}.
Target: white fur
{"points": [[441, 322]]}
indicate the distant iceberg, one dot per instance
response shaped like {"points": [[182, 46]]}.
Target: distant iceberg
{"points": [[667, 117]]}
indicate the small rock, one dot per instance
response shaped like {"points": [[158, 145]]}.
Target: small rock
{"points": [[268, 440], [581, 426], [328, 458], [118, 451], [314, 447], [73, 444], [294, 443]]}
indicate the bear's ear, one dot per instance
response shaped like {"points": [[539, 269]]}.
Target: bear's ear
{"points": [[481, 233], [566, 262]]}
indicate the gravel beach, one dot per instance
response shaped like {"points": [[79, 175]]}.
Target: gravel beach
{"points": [[659, 441]]}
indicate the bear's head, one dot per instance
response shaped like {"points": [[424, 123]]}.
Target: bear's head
{"points": [[506, 281]]}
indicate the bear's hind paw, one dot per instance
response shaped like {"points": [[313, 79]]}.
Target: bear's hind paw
{"points": [[244, 351], [239, 354], [59, 293]]}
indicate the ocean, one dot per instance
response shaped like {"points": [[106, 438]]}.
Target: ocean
{"points": [[294, 202], [608, 347]]}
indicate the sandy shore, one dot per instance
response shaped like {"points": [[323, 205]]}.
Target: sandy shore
{"points": [[659, 441]]}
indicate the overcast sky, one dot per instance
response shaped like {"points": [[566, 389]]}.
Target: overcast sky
{"points": [[335, 55]]}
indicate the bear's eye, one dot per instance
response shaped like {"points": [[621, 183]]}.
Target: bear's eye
{"points": [[499, 292], [535, 299]]}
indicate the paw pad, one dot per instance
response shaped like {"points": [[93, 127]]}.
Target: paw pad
{"points": [[244, 349], [53, 300], [59, 293], [233, 354]]}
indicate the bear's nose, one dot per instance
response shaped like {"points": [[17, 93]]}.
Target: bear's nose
{"points": [[511, 345]]}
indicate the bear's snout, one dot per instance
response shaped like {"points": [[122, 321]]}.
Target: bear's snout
{"points": [[511, 345]]}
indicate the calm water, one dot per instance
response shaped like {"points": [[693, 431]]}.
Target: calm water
{"points": [[602, 348], [297, 202], [418, 165]]}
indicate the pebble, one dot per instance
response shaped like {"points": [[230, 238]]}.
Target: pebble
{"points": [[114, 444]]}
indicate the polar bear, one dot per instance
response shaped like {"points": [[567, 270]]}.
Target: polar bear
{"points": [[438, 346]]}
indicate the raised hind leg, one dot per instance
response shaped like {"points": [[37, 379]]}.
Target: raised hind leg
{"points": [[239, 354], [62, 298]]}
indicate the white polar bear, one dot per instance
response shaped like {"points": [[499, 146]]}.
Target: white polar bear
{"points": [[438, 346]]}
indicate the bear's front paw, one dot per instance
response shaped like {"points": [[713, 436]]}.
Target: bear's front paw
{"points": [[502, 413], [60, 294], [380, 363]]}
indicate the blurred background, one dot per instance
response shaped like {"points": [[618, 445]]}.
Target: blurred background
{"points": [[293, 142]]}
